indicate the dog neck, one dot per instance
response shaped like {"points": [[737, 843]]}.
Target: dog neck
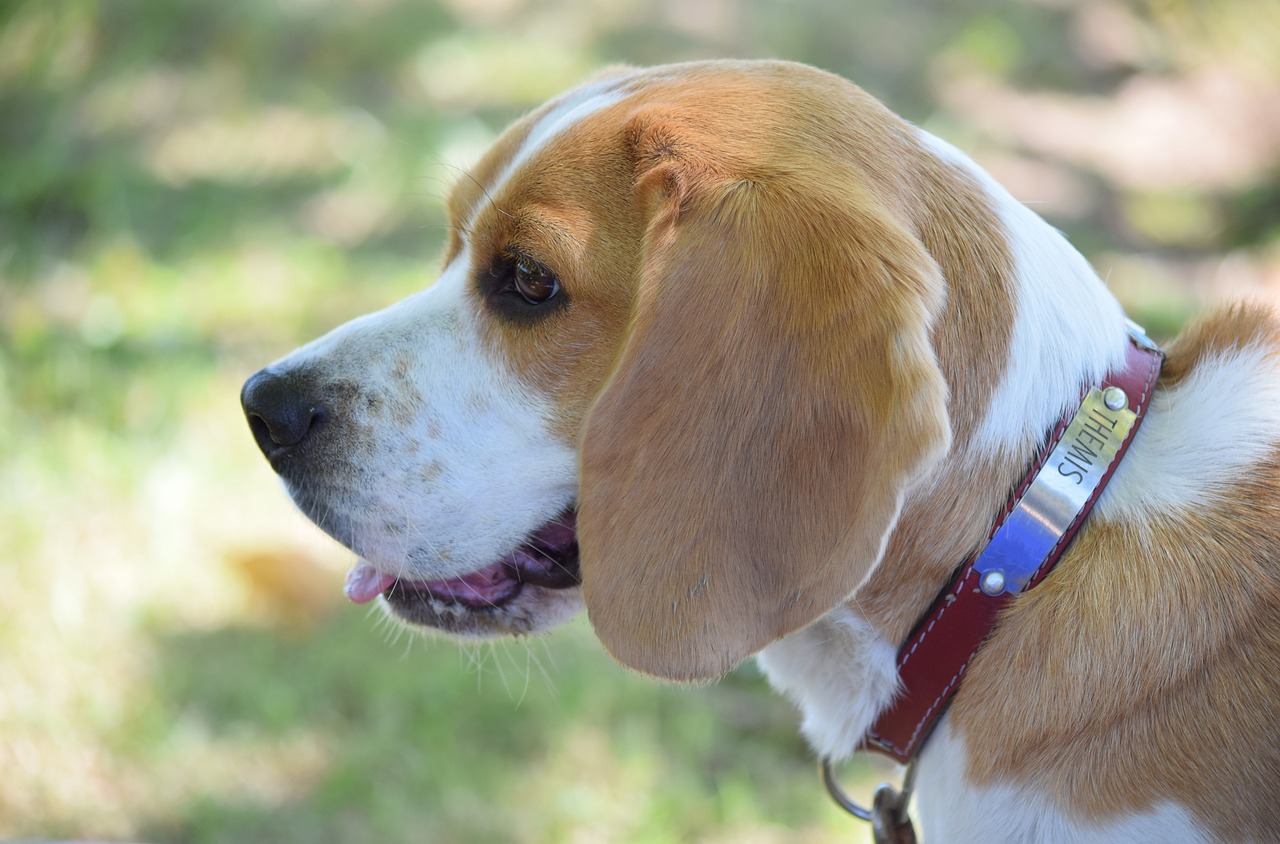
{"points": [[1062, 330]]}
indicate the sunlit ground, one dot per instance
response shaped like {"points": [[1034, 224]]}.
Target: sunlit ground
{"points": [[188, 190]]}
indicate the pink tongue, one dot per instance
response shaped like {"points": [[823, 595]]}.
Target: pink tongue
{"points": [[364, 583]]}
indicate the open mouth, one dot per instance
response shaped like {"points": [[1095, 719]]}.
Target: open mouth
{"points": [[548, 558]]}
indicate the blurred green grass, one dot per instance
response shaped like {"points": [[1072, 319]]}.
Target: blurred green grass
{"points": [[189, 189], [489, 744]]}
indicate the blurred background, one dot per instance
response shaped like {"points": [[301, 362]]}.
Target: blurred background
{"points": [[189, 189]]}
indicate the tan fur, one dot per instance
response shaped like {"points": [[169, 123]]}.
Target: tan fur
{"points": [[664, 156], [736, 246], [1148, 665], [972, 339], [706, 528], [782, 385], [781, 312]]}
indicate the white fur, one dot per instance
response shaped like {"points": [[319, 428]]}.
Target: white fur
{"points": [[952, 811], [1069, 329], [468, 467], [499, 474], [840, 672], [477, 468], [568, 111], [1198, 436]]}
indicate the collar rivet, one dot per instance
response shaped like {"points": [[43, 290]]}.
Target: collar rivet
{"points": [[1028, 538], [1114, 398]]}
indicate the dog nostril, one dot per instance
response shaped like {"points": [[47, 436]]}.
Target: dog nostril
{"points": [[277, 433], [285, 429], [280, 412]]}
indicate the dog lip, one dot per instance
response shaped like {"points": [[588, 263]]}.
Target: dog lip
{"points": [[491, 586], [548, 559]]}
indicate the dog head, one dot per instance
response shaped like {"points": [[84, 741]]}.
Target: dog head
{"points": [[677, 367]]}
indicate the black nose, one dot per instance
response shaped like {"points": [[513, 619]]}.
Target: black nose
{"points": [[281, 410]]}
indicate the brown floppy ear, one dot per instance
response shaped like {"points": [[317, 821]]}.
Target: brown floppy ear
{"points": [[776, 394]]}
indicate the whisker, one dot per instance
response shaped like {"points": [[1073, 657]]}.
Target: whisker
{"points": [[467, 173], [532, 658]]}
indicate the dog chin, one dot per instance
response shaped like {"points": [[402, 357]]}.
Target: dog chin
{"points": [[533, 588], [535, 610]]}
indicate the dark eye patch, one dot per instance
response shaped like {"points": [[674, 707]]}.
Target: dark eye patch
{"points": [[520, 288]]}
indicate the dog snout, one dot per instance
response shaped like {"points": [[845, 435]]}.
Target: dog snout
{"points": [[283, 412]]}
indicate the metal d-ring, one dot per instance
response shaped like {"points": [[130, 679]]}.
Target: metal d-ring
{"points": [[837, 793], [888, 816]]}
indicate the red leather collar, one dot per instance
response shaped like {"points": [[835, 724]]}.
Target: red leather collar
{"points": [[934, 657]]}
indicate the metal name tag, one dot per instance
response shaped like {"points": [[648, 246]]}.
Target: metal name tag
{"points": [[1059, 492]]}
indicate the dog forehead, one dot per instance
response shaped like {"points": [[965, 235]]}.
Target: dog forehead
{"points": [[562, 115], [703, 93], [527, 138], [731, 108]]}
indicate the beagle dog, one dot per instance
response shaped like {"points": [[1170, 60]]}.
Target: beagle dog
{"points": [[743, 363]]}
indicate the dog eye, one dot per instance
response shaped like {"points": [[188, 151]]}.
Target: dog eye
{"points": [[535, 283]]}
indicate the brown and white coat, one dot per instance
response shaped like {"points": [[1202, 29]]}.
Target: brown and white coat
{"points": [[795, 355]]}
